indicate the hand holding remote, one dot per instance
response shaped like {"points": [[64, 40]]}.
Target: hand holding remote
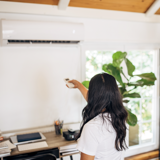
{"points": [[73, 82], [78, 85], [68, 83]]}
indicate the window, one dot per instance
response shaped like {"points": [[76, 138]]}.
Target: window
{"points": [[95, 60], [143, 107]]}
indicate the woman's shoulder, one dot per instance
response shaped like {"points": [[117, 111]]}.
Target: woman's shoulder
{"points": [[100, 118], [100, 125], [97, 127], [98, 121]]}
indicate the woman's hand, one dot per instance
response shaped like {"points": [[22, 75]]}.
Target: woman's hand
{"points": [[80, 86], [75, 82]]}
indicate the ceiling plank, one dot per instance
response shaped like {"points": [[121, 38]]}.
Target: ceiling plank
{"points": [[158, 12], [63, 4], [154, 7], [140, 6]]}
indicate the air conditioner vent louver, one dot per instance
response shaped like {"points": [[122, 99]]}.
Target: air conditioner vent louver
{"points": [[43, 41]]}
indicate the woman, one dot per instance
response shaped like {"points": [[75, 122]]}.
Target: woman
{"points": [[103, 132]]}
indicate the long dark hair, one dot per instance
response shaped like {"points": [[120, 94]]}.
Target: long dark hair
{"points": [[104, 95]]}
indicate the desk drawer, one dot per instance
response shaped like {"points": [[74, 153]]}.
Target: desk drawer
{"points": [[28, 155]]}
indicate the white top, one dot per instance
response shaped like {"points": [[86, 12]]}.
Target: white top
{"points": [[98, 139]]}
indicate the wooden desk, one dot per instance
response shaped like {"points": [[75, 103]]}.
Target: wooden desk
{"points": [[53, 141], [57, 141]]}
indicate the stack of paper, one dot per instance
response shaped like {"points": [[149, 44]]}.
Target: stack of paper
{"points": [[70, 149], [3, 145], [5, 148], [4, 152]]}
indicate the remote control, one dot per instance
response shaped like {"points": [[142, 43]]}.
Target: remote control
{"points": [[70, 85]]}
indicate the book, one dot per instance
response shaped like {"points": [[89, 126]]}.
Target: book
{"points": [[28, 137], [67, 150]]}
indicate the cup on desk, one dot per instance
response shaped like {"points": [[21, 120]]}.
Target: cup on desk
{"points": [[58, 127]]}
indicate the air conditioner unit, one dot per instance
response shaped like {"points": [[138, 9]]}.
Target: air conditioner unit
{"points": [[20, 32]]}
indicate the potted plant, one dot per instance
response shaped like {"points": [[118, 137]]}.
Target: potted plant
{"points": [[126, 88]]}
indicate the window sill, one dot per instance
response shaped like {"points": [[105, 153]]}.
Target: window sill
{"points": [[144, 156]]}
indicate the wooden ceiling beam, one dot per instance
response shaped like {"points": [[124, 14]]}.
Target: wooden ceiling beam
{"points": [[140, 6], [63, 4], [153, 8]]}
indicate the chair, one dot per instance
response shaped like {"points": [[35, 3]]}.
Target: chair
{"points": [[47, 156]]}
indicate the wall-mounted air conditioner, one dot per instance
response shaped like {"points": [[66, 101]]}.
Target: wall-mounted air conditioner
{"points": [[22, 32]]}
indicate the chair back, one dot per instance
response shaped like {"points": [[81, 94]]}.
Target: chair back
{"points": [[47, 156]]}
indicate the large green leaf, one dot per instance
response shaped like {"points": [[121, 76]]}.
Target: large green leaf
{"points": [[148, 76], [137, 83], [144, 82], [118, 57], [130, 67], [141, 82], [125, 101], [132, 118], [114, 71], [132, 95], [86, 84], [105, 68]]}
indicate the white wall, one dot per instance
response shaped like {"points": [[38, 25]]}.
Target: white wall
{"points": [[32, 88], [101, 32]]}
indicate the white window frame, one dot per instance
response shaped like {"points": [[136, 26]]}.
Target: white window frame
{"points": [[133, 150]]}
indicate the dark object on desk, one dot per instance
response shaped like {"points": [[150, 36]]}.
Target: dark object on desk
{"points": [[42, 157], [47, 156], [54, 152], [70, 135], [28, 137]]}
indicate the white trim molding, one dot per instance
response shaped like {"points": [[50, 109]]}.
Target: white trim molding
{"points": [[1, 33], [29, 8], [154, 7]]}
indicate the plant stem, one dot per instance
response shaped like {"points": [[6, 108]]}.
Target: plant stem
{"points": [[124, 76]]}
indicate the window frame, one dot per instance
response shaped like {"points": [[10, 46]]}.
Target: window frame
{"points": [[126, 47]]}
